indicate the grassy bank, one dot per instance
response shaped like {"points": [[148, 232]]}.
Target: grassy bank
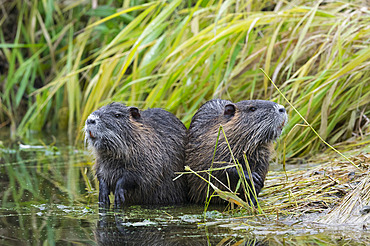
{"points": [[60, 60]]}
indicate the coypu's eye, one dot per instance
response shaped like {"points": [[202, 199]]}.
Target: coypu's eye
{"points": [[117, 115], [252, 108], [229, 109], [135, 112]]}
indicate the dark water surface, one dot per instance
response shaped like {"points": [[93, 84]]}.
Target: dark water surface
{"points": [[48, 197]]}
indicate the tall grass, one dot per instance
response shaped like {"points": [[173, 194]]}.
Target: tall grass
{"points": [[67, 59]]}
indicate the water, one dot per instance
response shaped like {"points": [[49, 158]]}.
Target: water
{"points": [[48, 197]]}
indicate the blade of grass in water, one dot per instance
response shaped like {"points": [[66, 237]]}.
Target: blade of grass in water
{"points": [[229, 195]]}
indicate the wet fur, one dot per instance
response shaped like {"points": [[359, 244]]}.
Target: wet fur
{"points": [[247, 132], [137, 157]]}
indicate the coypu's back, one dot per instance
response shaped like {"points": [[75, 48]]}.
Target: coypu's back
{"points": [[250, 128], [137, 154]]}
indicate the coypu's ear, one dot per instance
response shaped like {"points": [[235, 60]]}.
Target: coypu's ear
{"points": [[134, 112], [229, 109]]}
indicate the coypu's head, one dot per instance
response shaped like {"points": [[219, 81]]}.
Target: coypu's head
{"points": [[247, 124], [254, 122], [109, 130]]}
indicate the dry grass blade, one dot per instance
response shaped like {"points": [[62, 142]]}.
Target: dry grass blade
{"points": [[316, 189], [308, 124], [226, 195], [355, 207]]}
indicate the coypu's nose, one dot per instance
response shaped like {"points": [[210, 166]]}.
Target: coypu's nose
{"points": [[281, 109], [91, 120], [283, 115]]}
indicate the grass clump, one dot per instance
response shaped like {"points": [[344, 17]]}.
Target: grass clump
{"points": [[62, 60], [330, 185], [354, 208]]}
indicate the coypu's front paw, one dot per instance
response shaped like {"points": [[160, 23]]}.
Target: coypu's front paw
{"points": [[119, 194], [103, 194], [258, 182], [119, 198]]}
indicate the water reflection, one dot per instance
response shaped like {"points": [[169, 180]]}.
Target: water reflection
{"points": [[116, 229], [30, 226], [48, 197], [112, 229]]}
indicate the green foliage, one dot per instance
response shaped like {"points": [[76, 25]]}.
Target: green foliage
{"points": [[66, 59]]}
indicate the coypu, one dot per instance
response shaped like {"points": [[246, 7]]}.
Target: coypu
{"points": [[250, 128], [137, 154]]}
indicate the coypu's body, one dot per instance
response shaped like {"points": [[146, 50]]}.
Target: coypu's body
{"points": [[137, 155], [250, 128]]}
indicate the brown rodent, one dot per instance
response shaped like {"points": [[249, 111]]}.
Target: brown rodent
{"points": [[250, 128], [137, 154]]}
